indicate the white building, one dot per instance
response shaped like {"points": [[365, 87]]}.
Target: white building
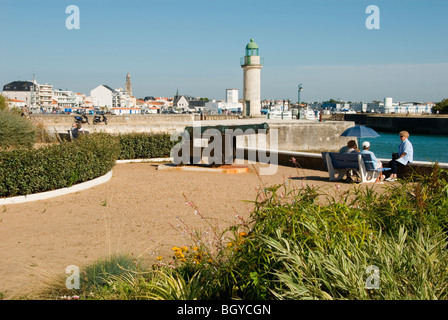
{"points": [[232, 95], [125, 111], [45, 97], [182, 103], [65, 98], [19, 90], [15, 103], [104, 96], [80, 99], [230, 105], [415, 107], [38, 97]]}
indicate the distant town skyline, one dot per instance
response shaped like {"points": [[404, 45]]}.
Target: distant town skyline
{"points": [[195, 47]]}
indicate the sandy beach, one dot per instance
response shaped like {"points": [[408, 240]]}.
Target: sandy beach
{"points": [[138, 212]]}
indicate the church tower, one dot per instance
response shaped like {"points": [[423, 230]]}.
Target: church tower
{"points": [[251, 64], [128, 87]]}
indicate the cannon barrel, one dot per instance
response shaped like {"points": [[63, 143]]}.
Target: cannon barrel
{"points": [[224, 129], [227, 152]]}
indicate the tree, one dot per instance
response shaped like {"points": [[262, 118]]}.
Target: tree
{"points": [[441, 107], [3, 103]]}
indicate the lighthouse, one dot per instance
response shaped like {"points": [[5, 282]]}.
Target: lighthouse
{"points": [[251, 64]]}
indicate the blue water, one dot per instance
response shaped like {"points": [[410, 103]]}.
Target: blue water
{"points": [[426, 147]]}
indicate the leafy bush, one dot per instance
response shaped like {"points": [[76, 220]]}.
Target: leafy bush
{"points": [[329, 240], [296, 247], [100, 274], [410, 267], [441, 107], [145, 145], [15, 130], [26, 171]]}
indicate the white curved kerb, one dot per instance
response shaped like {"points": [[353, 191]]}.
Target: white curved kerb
{"points": [[58, 192]]}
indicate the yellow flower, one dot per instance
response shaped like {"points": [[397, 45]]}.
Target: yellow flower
{"points": [[242, 234], [159, 258], [229, 244]]}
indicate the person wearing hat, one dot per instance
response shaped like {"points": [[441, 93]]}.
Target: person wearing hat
{"points": [[376, 163]]}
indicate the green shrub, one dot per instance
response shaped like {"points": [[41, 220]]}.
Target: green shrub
{"points": [[15, 131], [99, 275], [26, 171], [145, 145], [354, 225], [410, 266]]}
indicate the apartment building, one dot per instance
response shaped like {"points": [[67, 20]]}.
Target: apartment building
{"points": [[38, 97], [65, 98]]}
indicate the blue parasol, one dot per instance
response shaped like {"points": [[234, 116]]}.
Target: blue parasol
{"points": [[359, 132]]}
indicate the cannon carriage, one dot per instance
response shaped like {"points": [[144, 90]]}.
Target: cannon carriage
{"points": [[216, 143]]}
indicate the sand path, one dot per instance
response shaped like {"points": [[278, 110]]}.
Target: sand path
{"points": [[136, 212]]}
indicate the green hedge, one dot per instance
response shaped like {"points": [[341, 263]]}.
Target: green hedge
{"points": [[27, 171], [145, 145], [15, 131]]}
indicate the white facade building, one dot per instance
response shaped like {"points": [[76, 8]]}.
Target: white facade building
{"points": [[232, 95], [65, 98], [104, 96], [19, 90], [37, 97], [45, 97]]}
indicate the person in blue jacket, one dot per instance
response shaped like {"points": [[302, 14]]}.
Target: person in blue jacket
{"points": [[405, 155]]}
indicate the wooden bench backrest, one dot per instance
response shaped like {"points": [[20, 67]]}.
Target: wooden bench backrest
{"points": [[348, 160], [344, 160]]}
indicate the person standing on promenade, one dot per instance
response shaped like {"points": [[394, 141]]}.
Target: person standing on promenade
{"points": [[405, 155], [377, 164]]}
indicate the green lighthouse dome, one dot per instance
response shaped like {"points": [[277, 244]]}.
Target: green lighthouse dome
{"points": [[252, 48], [252, 44]]}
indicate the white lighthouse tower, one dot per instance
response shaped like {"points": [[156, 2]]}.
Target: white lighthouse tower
{"points": [[251, 65]]}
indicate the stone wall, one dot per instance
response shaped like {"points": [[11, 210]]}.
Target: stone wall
{"points": [[293, 135]]}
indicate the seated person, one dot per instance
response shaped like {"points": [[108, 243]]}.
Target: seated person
{"points": [[405, 155], [350, 147], [376, 163]]}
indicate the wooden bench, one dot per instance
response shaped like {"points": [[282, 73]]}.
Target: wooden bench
{"points": [[339, 163]]}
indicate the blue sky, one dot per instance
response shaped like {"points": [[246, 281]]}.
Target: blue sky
{"points": [[195, 46]]}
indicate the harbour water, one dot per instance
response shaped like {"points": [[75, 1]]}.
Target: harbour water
{"points": [[426, 147]]}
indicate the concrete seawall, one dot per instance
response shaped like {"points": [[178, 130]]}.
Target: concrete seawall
{"points": [[424, 124], [294, 135]]}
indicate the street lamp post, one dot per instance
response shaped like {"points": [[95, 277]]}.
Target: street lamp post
{"points": [[300, 89]]}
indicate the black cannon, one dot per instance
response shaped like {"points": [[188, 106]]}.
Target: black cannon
{"points": [[216, 143]]}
